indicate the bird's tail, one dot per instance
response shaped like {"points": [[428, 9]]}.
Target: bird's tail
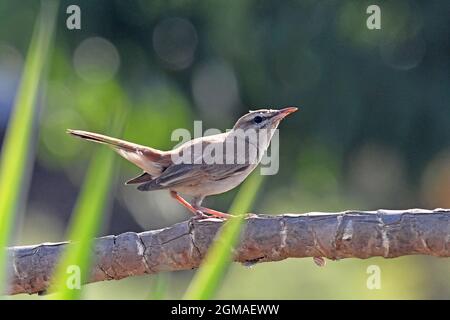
{"points": [[100, 138], [148, 159]]}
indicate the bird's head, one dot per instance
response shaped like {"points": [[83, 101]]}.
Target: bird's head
{"points": [[263, 119]]}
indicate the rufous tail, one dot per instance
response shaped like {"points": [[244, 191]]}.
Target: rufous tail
{"points": [[150, 160]]}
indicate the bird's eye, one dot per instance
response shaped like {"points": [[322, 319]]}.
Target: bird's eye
{"points": [[258, 119]]}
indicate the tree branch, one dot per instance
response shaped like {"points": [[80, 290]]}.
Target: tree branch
{"points": [[350, 234]]}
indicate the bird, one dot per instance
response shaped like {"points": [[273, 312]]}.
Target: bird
{"points": [[203, 166]]}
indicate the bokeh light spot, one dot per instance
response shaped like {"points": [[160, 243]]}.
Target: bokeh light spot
{"points": [[403, 54], [175, 41], [215, 89], [96, 60]]}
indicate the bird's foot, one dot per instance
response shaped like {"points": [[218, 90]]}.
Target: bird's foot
{"points": [[250, 215], [195, 209], [200, 215], [215, 213]]}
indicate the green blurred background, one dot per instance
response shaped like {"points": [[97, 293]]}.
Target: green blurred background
{"points": [[373, 131]]}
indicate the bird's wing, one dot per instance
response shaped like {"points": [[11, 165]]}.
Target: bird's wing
{"points": [[192, 169], [144, 177], [192, 174]]}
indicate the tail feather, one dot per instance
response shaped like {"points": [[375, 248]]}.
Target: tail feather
{"points": [[100, 138], [150, 160]]}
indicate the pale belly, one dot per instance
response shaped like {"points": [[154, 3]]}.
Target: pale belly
{"points": [[208, 187]]}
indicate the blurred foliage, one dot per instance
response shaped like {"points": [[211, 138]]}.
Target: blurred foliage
{"points": [[86, 221], [373, 130], [159, 291], [16, 155]]}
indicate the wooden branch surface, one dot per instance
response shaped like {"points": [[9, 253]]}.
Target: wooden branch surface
{"points": [[349, 234]]}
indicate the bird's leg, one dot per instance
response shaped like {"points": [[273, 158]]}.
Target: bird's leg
{"points": [[197, 209], [216, 213], [187, 205], [196, 202], [197, 205]]}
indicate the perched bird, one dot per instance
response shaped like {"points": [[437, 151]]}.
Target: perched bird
{"points": [[203, 166]]}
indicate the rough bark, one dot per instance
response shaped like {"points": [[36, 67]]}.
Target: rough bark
{"points": [[350, 234]]}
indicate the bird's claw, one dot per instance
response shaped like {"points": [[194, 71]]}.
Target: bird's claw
{"points": [[200, 215]]}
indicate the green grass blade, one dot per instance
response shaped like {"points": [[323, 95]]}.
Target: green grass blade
{"points": [[87, 218], [208, 278], [17, 141], [160, 284]]}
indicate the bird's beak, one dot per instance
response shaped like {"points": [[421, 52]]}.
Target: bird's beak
{"points": [[281, 114]]}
